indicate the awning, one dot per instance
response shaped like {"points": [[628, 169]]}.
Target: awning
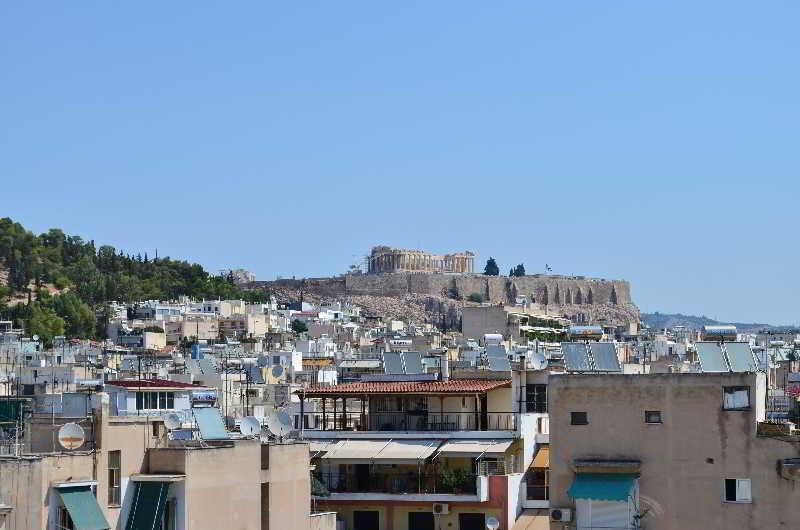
{"points": [[320, 446], [602, 486], [147, 507], [542, 458], [407, 451], [533, 520], [355, 450], [82, 506], [383, 451], [209, 421], [473, 448]]}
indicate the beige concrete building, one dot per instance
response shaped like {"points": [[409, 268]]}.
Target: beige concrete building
{"points": [[250, 325], [669, 451], [129, 475], [200, 327], [421, 455]]}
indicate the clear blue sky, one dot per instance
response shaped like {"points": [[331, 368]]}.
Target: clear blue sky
{"points": [[656, 142]]}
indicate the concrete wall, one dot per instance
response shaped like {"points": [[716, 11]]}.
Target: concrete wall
{"points": [[684, 460], [289, 485], [26, 485], [222, 488]]}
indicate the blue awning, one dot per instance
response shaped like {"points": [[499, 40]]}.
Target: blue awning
{"points": [[209, 421], [83, 509], [147, 508], [602, 486]]}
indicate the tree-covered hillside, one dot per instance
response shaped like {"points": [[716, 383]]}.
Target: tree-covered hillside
{"points": [[56, 283]]}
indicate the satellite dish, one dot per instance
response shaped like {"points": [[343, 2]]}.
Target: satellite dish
{"points": [[35, 338], [263, 361], [539, 361], [279, 423], [71, 436], [250, 426], [492, 523], [277, 371], [173, 421]]}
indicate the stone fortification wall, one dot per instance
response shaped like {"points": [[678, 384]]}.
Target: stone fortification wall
{"points": [[542, 289], [582, 299]]}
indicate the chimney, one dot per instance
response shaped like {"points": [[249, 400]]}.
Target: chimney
{"points": [[444, 366]]}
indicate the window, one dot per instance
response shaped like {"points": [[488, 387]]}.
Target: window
{"points": [[421, 521], [155, 400], [652, 416], [365, 520], [737, 490], [536, 398], [736, 398], [538, 484], [579, 418], [64, 520], [114, 470], [471, 521]]}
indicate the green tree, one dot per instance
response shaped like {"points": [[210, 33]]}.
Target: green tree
{"points": [[475, 297], [491, 268], [44, 322], [519, 270], [298, 326], [79, 319]]}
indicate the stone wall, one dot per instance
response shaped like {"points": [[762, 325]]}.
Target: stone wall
{"points": [[577, 297], [543, 289]]}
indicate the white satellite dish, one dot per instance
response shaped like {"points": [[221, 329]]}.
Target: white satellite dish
{"points": [[173, 421], [279, 423], [35, 338], [492, 523], [538, 361], [250, 426], [71, 436]]}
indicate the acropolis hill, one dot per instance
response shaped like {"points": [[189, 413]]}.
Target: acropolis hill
{"points": [[426, 280]]}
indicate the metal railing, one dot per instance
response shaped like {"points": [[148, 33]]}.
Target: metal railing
{"points": [[415, 421], [425, 482]]}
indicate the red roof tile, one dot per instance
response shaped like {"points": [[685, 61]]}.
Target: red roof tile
{"points": [[151, 383], [454, 386]]}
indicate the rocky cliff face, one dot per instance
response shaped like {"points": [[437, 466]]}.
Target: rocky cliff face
{"points": [[438, 298]]}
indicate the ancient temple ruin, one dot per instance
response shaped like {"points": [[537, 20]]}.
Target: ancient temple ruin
{"points": [[384, 259]]}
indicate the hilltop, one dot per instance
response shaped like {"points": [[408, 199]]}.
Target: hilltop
{"points": [[667, 320], [53, 283]]}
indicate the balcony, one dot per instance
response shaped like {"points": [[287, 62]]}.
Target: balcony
{"points": [[414, 421], [394, 481]]}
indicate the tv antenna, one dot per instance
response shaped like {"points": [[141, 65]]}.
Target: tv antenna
{"points": [[279, 424], [71, 436], [538, 361], [250, 426], [172, 421]]}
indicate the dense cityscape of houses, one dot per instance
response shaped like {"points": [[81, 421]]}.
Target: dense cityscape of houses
{"points": [[198, 415]]}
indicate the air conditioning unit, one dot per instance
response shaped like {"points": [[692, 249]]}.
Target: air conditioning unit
{"points": [[561, 515], [440, 508]]}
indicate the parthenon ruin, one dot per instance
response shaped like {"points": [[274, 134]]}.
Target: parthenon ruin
{"points": [[387, 259]]}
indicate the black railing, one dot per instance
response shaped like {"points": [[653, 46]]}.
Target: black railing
{"points": [[425, 482], [414, 421]]}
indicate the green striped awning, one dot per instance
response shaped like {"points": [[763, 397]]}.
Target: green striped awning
{"points": [[147, 507], [83, 509], [602, 486]]}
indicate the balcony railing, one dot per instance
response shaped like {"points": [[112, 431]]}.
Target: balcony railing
{"points": [[426, 482], [414, 421]]}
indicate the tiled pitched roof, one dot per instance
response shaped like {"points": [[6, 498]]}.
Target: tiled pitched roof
{"points": [[454, 386], [152, 383]]}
